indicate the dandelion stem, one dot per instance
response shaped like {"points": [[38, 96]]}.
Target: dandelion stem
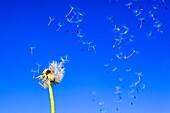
{"points": [[51, 97]]}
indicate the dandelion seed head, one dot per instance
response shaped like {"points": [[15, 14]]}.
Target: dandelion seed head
{"points": [[54, 73]]}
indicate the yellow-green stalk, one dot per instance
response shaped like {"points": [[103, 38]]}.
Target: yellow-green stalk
{"points": [[51, 97]]}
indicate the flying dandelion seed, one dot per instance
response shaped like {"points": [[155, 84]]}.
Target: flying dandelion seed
{"points": [[31, 50], [51, 76]]}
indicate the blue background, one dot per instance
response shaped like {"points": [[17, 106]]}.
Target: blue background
{"points": [[24, 24]]}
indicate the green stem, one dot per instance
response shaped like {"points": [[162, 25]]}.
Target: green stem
{"points": [[51, 97]]}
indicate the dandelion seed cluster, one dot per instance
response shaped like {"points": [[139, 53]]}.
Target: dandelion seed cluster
{"points": [[54, 73]]}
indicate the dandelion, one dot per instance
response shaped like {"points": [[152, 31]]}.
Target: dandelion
{"points": [[51, 76]]}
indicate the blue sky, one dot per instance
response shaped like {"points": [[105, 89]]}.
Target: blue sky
{"points": [[24, 25]]}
